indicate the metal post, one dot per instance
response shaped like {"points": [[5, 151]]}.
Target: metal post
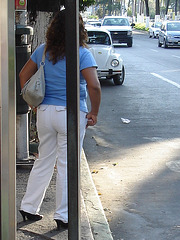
{"points": [[8, 120], [73, 155]]}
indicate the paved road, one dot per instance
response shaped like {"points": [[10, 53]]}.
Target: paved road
{"points": [[136, 166]]}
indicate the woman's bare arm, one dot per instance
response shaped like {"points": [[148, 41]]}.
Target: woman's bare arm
{"points": [[94, 90], [27, 71]]}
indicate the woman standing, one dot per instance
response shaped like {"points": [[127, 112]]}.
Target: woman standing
{"points": [[51, 117]]}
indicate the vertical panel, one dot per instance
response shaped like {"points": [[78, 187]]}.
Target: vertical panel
{"points": [[72, 74], [0, 116], [7, 130]]}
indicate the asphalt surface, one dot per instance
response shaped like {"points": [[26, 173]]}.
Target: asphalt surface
{"points": [[136, 166]]}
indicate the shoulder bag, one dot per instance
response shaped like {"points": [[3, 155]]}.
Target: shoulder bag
{"points": [[34, 89]]}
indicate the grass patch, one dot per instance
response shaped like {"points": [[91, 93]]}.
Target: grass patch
{"points": [[141, 26]]}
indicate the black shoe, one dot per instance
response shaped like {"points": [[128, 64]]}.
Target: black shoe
{"points": [[29, 216], [61, 224]]}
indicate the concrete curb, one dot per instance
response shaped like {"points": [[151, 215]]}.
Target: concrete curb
{"points": [[97, 219]]}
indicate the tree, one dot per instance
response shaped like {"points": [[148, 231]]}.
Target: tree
{"points": [[175, 4], [53, 5], [101, 4], [40, 13], [106, 5], [157, 7], [167, 6], [147, 7]]}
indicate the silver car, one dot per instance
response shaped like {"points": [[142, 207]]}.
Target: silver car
{"points": [[169, 34]]}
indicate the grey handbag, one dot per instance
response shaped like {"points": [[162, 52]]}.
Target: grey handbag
{"points": [[34, 89]]}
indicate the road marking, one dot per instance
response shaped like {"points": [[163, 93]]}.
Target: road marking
{"points": [[176, 56], [166, 80], [175, 70], [154, 50], [155, 139]]}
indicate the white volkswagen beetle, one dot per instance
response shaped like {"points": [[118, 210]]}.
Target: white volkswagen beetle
{"points": [[110, 64]]}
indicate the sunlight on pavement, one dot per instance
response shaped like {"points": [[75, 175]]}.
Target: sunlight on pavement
{"points": [[136, 165]]}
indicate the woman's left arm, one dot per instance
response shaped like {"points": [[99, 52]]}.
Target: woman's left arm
{"points": [[27, 72]]}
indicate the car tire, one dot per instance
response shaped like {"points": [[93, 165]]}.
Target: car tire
{"points": [[165, 44], [159, 44], [150, 35], [129, 44], [119, 78]]}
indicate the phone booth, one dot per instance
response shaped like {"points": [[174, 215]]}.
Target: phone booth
{"points": [[8, 112]]}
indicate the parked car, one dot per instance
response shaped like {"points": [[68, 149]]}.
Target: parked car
{"points": [[94, 23], [169, 34], [154, 30], [120, 29], [110, 64]]}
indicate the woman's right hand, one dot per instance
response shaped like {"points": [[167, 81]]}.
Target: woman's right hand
{"points": [[94, 90], [91, 119]]}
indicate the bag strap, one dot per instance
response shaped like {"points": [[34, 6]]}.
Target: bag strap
{"points": [[43, 57]]}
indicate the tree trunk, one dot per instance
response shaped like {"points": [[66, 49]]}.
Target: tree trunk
{"points": [[135, 7], [40, 27], [167, 6], [147, 8], [176, 8], [110, 7], [157, 7], [133, 10]]}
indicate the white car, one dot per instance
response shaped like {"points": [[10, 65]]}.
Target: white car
{"points": [[120, 29], [110, 64], [154, 30], [94, 23]]}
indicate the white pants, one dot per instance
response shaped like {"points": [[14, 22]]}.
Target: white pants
{"points": [[51, 126]]}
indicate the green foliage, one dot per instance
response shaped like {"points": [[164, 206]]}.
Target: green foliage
{"points": [[99, 13], [163, 10], [52, 6], [129, 12], [83, 4], [93, 17], [141, 26]]}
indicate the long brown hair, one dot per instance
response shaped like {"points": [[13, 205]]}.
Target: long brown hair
{"points": [[55, 37]]}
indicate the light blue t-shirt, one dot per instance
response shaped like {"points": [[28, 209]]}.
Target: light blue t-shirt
{"points": [[55, 77]]}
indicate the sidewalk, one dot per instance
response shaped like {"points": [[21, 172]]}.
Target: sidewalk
{"points": [[94, 225]]}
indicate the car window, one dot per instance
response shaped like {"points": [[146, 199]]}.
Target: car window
{"points": [[95, 24], [115, 22], [97, 37], [173, 26]]}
